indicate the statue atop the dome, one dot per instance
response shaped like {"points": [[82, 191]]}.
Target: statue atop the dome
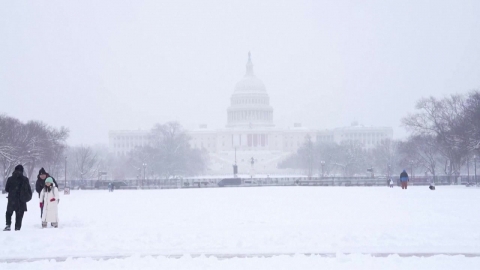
{"points": [[249, 66]]}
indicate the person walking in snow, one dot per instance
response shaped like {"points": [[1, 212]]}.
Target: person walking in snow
{"points": [[40, 184], [49, 199], [404, 179], [19, 193], [391, 183]]}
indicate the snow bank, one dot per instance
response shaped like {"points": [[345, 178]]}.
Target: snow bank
{"points": [[253, 220]]}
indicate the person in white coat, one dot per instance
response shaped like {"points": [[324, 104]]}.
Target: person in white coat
{"points": [[49, 199]]}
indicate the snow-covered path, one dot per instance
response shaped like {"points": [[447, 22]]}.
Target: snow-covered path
{"points": [[236, 256], [341, 261], [264, 220]]}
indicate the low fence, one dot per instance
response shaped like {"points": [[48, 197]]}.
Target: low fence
{"points": [[276, 181]]}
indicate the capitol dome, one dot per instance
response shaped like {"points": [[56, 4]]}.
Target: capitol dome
{"points": [[250, 83], [250, 103]]}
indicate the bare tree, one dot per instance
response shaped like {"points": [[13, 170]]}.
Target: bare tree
{"points": [[328, 155], [385, 156], [350, 157], [169, 153], [31, 144], [306, 154], [53, 163], [443, 119], [84, 162], [10, 131], [472, 119], [424, 151], [353, 158]]}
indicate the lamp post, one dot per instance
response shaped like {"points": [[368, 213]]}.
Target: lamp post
{"points": [[475, 164], [323, 168], [139, 175], [411, 169], [235, 167], [66, 172], [252, 162], [32, 163], [468, 171], [144, 173], [154, 178], [388, 171], [372, 174]]}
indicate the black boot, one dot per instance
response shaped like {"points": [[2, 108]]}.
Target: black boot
{"points": [[7, 228]]}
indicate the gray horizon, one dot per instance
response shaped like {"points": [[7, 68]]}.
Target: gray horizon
{"points": [[98, 66]]}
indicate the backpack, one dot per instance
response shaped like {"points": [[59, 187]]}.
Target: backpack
{"points": [[25, 191]]}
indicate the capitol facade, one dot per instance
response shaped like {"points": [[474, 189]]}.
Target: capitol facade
{"points": [[250, 123], [250, 132]]}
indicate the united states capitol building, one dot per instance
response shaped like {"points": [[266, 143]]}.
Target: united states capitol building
{"points": [[250, 132]]}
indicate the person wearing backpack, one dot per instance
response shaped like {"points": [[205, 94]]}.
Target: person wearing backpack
{"points": [[404, 179], [49, 199], [19, 193]]}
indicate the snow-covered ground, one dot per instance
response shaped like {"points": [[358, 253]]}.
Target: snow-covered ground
{"points": [[255, 220]]}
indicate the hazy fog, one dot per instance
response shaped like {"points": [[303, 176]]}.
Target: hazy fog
{"points": [[99, 65]]}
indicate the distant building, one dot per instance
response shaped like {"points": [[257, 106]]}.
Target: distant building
{"points": [[123, 141], [368, 136]]}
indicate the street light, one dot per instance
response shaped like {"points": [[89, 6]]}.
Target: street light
{"points": [[389, 167], [372, 174], [411, 169], [468, 171], [144, 172], [323, 168], [252, 162], [66, 172], [475, 162], [235, 167], [30, 175], [139, 175]]}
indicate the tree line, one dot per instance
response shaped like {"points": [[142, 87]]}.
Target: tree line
{"points": [[32, 144], [444, 139], [167, 155], [35, 144]]}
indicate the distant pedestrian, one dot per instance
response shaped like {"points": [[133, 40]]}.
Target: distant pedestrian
{"points": [[49, 200], [432, 186], [19, 193], [404, 179], [391, 183], [40, 184]]}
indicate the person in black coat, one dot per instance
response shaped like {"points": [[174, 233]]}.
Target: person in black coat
{"points": [[17, 187], [40, 184]]}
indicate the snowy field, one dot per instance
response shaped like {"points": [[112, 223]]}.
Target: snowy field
{"points": [[349, 224]]}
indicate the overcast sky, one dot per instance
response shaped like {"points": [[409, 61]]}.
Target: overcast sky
{"points": [[95, 66]]}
